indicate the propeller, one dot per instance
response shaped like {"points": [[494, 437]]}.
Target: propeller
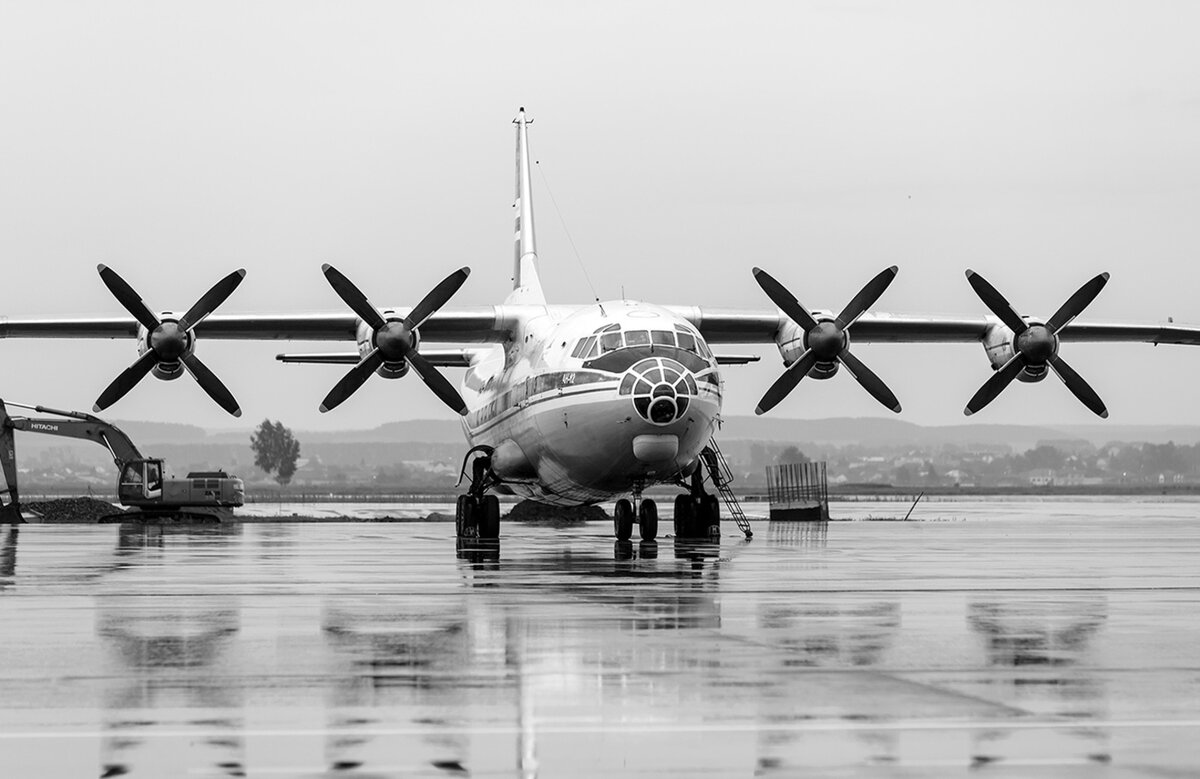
{"points": [[393, 339], [1035, 346], [826, 341], [169, 340]]}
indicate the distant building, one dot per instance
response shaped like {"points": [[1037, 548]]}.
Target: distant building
{"points": [[1040, 477]]}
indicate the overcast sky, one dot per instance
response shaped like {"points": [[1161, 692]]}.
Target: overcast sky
{"points": [[1037, 143]]}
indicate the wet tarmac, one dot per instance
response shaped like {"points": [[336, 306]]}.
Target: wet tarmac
{"points": [[1015, 639]]}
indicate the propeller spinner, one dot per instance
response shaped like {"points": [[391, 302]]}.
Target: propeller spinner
{"points": [[826, 341], [393, 340], [1035, 346], [169, 341]]}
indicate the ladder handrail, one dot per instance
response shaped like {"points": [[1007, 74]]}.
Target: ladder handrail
{"points": [[721, 475]]}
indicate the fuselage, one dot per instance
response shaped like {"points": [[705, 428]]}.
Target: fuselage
{"points": [[595, 403]]}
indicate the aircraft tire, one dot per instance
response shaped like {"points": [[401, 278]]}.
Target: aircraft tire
{"points": [[648, 520], [623, 520], [465, 517], [489, 517], [683, 514], [712, 518]]}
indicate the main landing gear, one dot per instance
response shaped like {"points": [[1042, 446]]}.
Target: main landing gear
{"points": [[697, 516], [477, 514], [697, 513]]}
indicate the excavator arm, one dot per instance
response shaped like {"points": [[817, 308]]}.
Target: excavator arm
{"points": [[72, 424]]}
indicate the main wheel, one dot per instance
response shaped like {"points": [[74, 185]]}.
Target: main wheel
{"points": [[623, 520], [648, 520], [711, 526], [465, 517], [683, 515], [489, 517]]}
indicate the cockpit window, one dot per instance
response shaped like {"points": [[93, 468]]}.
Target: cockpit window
{"points": [[610, 342], [609, 328], [637, 338], [662, 337], [585, 348], [687, 341], [592, 350]]}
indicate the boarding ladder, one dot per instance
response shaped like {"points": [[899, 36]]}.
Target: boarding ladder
{"points": [[721, 475]]}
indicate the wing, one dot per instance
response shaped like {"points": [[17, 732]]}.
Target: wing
{"points": [[483, 324], [732, 326], [439, 358]]}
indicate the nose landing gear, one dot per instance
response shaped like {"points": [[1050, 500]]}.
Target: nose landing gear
{"points": [[647, 519]]}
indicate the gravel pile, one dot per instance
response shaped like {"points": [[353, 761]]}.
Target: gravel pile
{"points": [[77, 510]]}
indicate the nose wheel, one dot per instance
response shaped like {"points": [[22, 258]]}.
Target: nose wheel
{"points": [[646, 517]]}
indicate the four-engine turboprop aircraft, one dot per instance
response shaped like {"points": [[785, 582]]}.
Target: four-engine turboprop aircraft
{"points": [[576, 404]]}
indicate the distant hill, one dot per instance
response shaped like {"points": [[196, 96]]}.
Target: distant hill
{"points": [[841, 431]]}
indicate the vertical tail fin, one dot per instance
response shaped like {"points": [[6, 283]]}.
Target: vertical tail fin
{"points": [[527, 286]]}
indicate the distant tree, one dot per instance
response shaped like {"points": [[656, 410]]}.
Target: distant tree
{"points": [[792, 454], [276, 450]]}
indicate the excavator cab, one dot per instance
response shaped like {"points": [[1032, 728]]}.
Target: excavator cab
{"points": [[141, 480]]}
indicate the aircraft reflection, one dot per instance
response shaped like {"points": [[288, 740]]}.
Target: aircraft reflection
{"points": [[493, 648], [164, 651], [1045, 643]]}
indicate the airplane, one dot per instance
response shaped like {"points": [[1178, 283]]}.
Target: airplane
{"points": [[580, 404]]}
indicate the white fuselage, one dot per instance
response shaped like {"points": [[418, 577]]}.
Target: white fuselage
{"points": [[594, 403]]}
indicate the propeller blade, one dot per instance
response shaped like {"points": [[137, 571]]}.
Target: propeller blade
{"points": [[787, 382], [434, 379], [869, 381], [996, 303], [866, 298], [1075, 305], [209, 301], [354, 298], [436, 298], [126, 296], [126, 380], [1078, 386], [995, 384], [352, 381], [209, 382], [780, 296]]}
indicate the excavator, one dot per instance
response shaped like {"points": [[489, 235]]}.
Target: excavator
{"points": [[142, 484]]}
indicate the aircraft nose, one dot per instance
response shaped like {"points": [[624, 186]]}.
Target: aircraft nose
{"points": [[662, 389]]}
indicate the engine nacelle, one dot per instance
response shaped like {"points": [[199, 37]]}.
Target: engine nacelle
{"points": [[366, 342], [998, 346], [791, 342], [166, 370]]}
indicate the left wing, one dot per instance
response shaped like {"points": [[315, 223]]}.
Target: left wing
{"points": [[815, 343]]}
